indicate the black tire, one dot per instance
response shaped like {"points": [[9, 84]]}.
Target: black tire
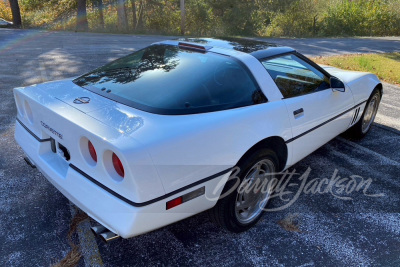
{"points": [[225, 211], [358, 131]]}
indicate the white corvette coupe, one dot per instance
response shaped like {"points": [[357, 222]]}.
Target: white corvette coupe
{"points": [[153, 138]]}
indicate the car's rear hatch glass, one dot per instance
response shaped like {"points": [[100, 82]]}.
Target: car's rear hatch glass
{"points": [[166, 79]]}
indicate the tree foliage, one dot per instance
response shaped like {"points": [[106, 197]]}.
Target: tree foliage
{"points": [[5, 11], [362, 18], [300, 18]]}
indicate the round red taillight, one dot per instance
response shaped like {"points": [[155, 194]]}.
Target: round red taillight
{"points": [[92, 151], [118, 165]]}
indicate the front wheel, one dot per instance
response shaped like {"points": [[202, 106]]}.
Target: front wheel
{"points": [[246, 195], [362, 127]]}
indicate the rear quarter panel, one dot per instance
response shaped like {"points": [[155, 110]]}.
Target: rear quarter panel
{"points": [[188, 148]]}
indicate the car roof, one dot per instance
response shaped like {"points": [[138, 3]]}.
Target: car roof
{"points": [[256, 48]]}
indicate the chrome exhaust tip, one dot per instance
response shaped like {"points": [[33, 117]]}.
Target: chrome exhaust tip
{"points": [[108, 236], [97, 230], [105, 234]]}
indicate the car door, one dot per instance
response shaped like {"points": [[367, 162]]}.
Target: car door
{"points": [[317, 113]]}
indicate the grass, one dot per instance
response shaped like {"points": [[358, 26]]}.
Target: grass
{"points": [[385, 66]]}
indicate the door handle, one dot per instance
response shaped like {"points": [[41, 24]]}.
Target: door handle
{"points": [[298, 113]]}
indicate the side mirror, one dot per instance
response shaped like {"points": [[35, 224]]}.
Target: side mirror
{"points": [[336, 84]]}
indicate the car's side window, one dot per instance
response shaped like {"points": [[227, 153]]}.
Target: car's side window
{"points": [[294, 76]]}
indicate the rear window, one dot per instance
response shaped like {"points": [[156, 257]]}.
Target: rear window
{"points": [[165, 79]]}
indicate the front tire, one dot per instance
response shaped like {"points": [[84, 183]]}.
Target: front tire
{"points": [[363, 126], [239, 208]]}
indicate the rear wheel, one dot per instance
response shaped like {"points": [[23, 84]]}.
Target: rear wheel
{"points": [[242, 204], [362, 127]]}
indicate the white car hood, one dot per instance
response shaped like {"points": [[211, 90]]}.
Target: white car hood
{"points": [[345, 75], [361, 84]]}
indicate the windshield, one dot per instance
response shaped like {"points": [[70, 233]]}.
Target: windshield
{"points": [[165, 79]]}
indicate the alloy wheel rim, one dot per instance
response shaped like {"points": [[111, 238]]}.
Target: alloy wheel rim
{"points": [[250, 203], [370, 113]]}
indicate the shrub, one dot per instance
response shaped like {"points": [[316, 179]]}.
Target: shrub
{"points": [[300, 19], [361, 18], [5, 11]]}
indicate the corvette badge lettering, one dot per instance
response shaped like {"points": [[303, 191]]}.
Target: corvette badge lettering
{"points": [[51, 130]]}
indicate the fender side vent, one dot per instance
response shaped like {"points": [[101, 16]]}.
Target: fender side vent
{"points": [[356, 113]]}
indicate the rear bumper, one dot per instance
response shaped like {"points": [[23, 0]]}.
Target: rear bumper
{"points": [[115, 214]]}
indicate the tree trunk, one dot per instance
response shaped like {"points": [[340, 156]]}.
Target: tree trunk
{"points": [[81, 21], [122, 22], [99, 5], [315, 25], [139, 25], [183, 17], [16, 14], [134, 18]]}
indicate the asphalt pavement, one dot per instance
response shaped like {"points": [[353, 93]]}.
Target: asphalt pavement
{"points": [[317, 230]]}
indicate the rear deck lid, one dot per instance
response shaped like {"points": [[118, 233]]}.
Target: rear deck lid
{"points": [[118, 116], [75, 96]]}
